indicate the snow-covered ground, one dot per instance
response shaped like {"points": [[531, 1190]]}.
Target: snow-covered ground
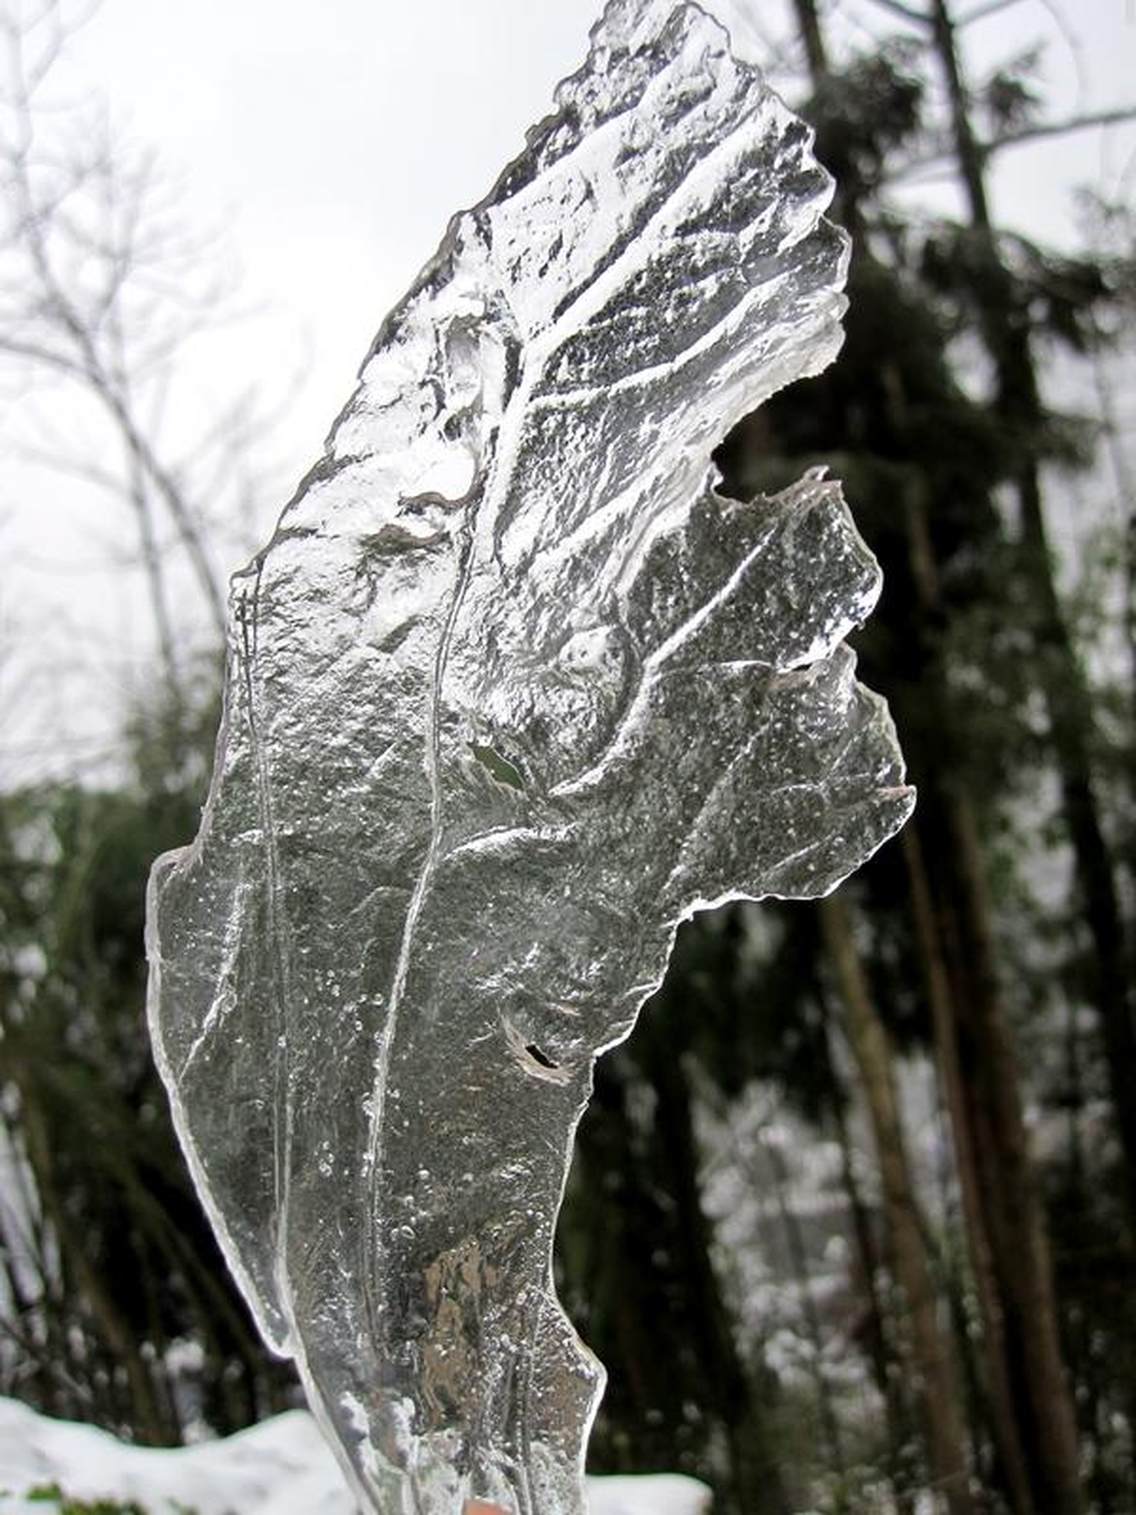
{"points": [[281, 1467]]}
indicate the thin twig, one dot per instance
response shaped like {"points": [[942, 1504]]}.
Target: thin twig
{"points": [[981, 12], [905, 12], [1019, 137]]}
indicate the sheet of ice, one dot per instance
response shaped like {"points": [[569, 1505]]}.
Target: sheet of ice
{"points": [[512, 691], [282, 1467]]}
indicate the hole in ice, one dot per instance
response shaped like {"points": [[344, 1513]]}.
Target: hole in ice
{"points": [[532, 1058], [750, 463], [539, 1056], [500, 767]]}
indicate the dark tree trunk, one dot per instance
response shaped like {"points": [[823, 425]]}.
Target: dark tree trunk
{"points": [[1006, 334], [1007, 1439], [931, 1348], [756, 1481], [885, 1368], [1014, 1213], [798, 1257]]}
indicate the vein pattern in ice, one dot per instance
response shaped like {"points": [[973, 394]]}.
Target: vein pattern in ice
{"points": [[511, 691]]}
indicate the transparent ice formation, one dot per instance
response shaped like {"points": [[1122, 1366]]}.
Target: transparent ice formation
{"points": [[511, 692]]}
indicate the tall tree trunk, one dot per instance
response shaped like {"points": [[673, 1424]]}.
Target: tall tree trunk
{"points": [[1004, 1208], [635, 1254], [885, 1368], [756, 1481], [808, 24], [1012, 1205], [931, 1347], [996, 1180], [1007, 337], [151, 1421], [798, 1257], [1007, 1439], [614, 1275], [1016, 1223], [1124, 480]]}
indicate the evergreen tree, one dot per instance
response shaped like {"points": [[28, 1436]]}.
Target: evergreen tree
{"points": [[122, 1309]]}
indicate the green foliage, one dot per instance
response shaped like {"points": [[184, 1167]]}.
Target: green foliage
{"points": [[64, 1504], [867, 112], [1054, 294], [52, 1494], [127, 1263], [1010, 96]]}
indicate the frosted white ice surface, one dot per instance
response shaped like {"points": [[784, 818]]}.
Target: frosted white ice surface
{"points": [[511, 691]]}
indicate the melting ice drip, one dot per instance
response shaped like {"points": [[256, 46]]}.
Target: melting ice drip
{"points": [[511, 692]]}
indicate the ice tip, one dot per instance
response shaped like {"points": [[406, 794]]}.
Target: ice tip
{"points": [[633, 24]]}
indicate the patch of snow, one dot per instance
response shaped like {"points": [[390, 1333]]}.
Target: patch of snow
{"points": [[280, 1467], [657, 1494]]}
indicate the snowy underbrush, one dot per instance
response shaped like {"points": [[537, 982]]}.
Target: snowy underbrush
{"points": [[281, 1467]]}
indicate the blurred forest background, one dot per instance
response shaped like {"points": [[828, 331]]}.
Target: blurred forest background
{"points": [[853, 1215]]}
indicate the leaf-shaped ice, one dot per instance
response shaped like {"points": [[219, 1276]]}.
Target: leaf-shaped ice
{"points": [[511, 691]]}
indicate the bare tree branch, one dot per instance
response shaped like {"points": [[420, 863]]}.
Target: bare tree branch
{"points": [[1082, 122], [1020, 136], [905, 12], [99, 286], [981, 12]]}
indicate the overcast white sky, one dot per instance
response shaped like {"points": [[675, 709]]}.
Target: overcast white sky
{"points": [[333, 138], [337, 136]]}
